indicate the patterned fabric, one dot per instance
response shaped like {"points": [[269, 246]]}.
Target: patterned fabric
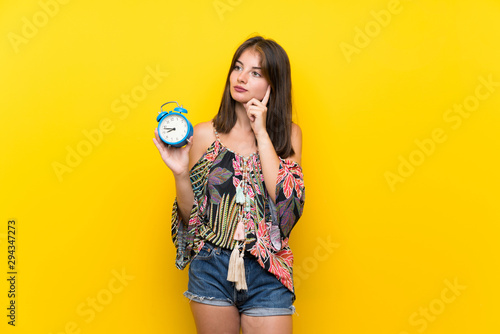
{"points": [[214, 214]]}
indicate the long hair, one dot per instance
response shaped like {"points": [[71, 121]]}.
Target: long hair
{"points": [[275, 67]]}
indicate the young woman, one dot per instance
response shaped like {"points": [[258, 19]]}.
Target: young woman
{"points": [[240, 191]]}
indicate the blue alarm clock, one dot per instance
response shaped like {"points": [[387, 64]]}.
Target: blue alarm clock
{"points": [[173, 127]]}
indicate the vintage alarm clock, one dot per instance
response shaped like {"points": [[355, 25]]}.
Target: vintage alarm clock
{"points": [[173, 127]]}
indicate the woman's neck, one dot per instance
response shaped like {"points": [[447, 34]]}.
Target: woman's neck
{"points": [[242, 120], [241, 138]]}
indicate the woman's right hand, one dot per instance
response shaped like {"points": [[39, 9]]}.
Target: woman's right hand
{"points": [[176, 158]]}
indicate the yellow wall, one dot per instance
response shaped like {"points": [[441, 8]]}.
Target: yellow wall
{"points": [[398, 102]]}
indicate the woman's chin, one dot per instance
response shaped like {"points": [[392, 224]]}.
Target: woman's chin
{"points": [[240, 99]]}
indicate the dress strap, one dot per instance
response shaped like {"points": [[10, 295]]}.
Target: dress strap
{"points": [[216, 134]]}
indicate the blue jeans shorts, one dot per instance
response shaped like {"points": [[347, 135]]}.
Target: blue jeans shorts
{"points": [[265, 296]]}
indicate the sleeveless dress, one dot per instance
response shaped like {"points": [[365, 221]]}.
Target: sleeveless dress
{"points": [[214, 216]]}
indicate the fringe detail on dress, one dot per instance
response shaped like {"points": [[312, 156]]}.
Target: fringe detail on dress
{"points": [[236, 270], [239, 234]]}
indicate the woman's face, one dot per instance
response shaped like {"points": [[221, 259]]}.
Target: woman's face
{"points": [[246, 79]]}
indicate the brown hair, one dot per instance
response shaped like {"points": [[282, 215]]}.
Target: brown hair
{"points": [[276, 69]]}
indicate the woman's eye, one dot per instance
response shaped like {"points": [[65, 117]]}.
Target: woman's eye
{"points": [[237, 67], [257, 74]]}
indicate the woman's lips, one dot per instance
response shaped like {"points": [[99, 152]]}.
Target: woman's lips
{"points": [[239, 89]]}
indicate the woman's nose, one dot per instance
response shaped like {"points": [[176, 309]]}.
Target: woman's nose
{"points": [[242, 77]]}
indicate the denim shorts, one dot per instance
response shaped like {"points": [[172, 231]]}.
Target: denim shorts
{"points": [[265, 296]]}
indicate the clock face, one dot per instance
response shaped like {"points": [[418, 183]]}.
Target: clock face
{"points": [[173, 128]]}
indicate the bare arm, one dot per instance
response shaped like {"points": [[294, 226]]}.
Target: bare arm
{"points": [[270, 161], [180, 161], [256, 111], [177, 159]]}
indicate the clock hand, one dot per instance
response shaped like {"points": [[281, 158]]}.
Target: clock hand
{"points": [[169, 129]]}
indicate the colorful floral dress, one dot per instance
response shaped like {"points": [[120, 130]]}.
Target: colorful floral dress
{"points": [[215, 178]]}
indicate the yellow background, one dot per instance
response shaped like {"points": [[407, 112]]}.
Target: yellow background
{"points": [[369, 257]]}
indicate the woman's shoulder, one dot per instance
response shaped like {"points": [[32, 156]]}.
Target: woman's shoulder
{"points": [[296, 131], [203, 137], [204, 133], [204, 126], [296, 138]]}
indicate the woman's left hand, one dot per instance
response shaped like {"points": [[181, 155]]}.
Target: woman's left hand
{"points": [[257, 111]]}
